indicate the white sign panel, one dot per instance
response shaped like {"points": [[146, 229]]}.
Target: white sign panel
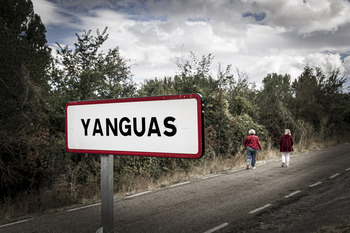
{"points": [[165, 126]]}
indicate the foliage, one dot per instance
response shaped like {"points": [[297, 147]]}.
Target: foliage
{"points": [[319, 100], [24, 58], [274, 104], [225, 98], [242, 97], [86, 73]]}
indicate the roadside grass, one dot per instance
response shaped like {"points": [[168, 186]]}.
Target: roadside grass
{"points": [[62, 195]]}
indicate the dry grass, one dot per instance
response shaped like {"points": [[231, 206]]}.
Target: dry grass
{"points": [[48, 199], [28, 203], [214, 165], [62, 194]]}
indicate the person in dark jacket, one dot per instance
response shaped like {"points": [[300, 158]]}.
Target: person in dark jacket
{"points": [[252, 144], [286, 146]]}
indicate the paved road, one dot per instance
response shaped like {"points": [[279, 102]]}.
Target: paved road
{"points": [[312, 195]]}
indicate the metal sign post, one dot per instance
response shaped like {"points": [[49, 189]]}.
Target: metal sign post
{"points": [[107, 213]]}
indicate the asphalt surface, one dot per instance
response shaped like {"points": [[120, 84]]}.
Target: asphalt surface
{"points": [[312, 195]]}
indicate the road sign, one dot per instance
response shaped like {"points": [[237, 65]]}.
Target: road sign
{"points": [[162, 126]]}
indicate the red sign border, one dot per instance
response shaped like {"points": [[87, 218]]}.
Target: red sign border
{"points": [[199, 99]]}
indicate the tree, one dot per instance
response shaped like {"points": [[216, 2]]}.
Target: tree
{"points": [[87, 73], [319, 99], [223, 122], [275, 100], [156, 87], [307, 95], [24, 58], [242, 96]]}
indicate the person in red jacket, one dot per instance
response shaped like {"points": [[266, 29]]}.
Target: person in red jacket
{"points": [[252, 144], [286, 146]]}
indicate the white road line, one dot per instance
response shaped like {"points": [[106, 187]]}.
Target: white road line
{"points": [[13, 223], [348, 169], [258, 209], [84, 207], [335, 175], [315, 184], [138, 194], [210, 176], [292, 194], [217, 228], [178, 184]]}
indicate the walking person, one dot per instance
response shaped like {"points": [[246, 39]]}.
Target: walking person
{"points": [[252, 144], [286, 146]]}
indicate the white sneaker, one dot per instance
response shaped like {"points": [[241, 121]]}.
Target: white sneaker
{"points": [[253, 167]]}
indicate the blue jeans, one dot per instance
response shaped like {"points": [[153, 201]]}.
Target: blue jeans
{"points": [[251, 155]]}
